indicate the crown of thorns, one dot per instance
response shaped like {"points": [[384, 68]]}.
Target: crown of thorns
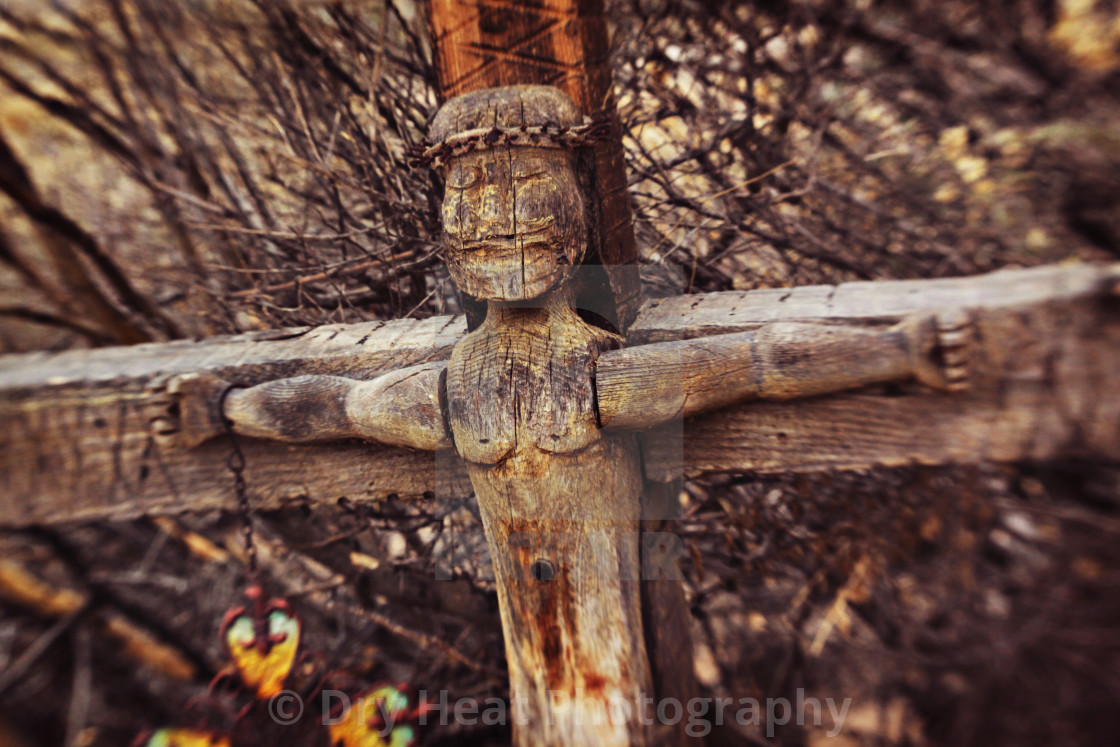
{"points": [[593, 130]]}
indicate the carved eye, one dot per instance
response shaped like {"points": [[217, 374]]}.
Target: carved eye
{"points": [[524, 176], [464, 177]]}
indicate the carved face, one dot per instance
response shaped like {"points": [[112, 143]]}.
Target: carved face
{"points": [[513, 220]]}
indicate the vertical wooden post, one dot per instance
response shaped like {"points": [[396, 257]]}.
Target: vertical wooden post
{"points": [[665, 613]]}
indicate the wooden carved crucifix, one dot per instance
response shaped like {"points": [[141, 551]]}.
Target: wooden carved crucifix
{"points": [[542, 406], [555, 403]]}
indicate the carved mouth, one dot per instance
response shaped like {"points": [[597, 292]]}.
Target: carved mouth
{"points": [[513, 243], [527, 230]]}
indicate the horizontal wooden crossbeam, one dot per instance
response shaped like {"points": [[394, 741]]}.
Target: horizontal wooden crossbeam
{"points": [[91, 435], [1045, 378]]}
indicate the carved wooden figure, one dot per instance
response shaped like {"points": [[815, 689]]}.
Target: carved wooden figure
{"points": [[553, 416], [542, 407], [560, 499]]}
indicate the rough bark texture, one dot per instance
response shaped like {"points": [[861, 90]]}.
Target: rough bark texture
{"points": [[561, 43]]}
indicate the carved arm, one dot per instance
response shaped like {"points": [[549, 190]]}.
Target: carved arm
{"points": [[647, 385], [400, 408], [638, 387]]}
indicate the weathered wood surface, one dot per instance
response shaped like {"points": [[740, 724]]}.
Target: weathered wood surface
{"points": [[647, 385], [86, 434], [560, 499], [92, 435], [665, 614], [1044, 375], [358, 351], [561, 43], [887, 302], [400, 408], [503, 204], [584, 630]]}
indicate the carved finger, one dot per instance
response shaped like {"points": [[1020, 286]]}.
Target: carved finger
{"points": [[956, 373], [953, 319], [956, 338], [956, 356]]}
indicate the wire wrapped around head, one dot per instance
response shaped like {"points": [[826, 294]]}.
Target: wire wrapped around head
{"points": [[527, 116]]}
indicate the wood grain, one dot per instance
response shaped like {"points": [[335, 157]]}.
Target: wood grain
{"points": [[1044, 381], [93, 434], [355, 350], [399, 408], [885, 302], [504, 203], [560, 500], [665, 612], [90, 434], [561, 43], [647, 385], [561, 504]]}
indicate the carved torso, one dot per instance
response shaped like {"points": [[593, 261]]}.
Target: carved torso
{"points": [[523, 381]]}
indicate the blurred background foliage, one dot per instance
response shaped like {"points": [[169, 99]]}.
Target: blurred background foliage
{"points": [[241, 165], [188, 168]]}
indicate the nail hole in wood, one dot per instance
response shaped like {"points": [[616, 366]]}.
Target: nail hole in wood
{"points": [[542, 570]]}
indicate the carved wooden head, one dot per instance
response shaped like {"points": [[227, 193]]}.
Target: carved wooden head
{"points": [[513, 211]]}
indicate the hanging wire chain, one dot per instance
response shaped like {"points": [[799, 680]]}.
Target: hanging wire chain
{"points": [[236, 464]]}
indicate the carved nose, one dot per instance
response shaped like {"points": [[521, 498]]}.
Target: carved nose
{"points": [[494, 211]]}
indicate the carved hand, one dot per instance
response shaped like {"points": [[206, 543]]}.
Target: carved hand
{"points": [[941, 348]]}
